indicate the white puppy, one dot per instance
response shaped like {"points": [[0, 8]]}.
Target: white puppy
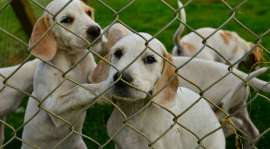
{"points": [[11, 98], [150, 73], [231, 104], [62, 49], [204, 73], [229, 44], [197, 71], [191, 72]]}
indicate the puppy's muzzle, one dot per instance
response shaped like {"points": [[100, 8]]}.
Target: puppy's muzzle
{"points": [[125, 76], [94, 31]]}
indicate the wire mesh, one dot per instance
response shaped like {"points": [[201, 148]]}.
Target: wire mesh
{"points": [[13, 33], [12, 48]]}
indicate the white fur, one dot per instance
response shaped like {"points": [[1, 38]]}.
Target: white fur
{"points": [[11, 98], [197, 71], [69, 100], [203, 73], [229, 44], [153, 121], [198, 74], [217, 43], [141, 79]]}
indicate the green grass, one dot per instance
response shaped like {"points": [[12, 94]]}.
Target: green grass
{"points": [[9, 47], [151, 16]]}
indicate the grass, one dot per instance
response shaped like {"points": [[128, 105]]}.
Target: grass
{"points": [[151, 16]]}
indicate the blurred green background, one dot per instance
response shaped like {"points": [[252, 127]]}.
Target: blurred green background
{"points": [[149, 16]]}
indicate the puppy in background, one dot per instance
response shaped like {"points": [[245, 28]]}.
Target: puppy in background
{"points": [[228, 44]]}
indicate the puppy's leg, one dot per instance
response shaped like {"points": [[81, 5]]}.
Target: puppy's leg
{"points": [[236, 99], [248, 127], [2, 137], [229, 129], [82, 145], [71, 103], [116, 147], [243, 122]]}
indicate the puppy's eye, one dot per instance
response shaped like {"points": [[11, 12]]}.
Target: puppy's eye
{"points": [[89, 13], [150, 60], [66, 20], [118, 53]]}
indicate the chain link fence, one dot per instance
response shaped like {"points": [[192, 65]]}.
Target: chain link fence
{"points": [[12, 52], [20, 38]]}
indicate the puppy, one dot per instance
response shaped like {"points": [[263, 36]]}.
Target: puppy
{"points": [[228, 44], [57, 98], [116, 32], [150, 73], [231, 104], [197, 72], [199, 75], [190, 71], [11, 98]]}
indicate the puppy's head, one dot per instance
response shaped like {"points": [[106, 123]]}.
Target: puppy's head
{"points": [[76, 17], [253, 57], [117, 32], [149, 73]]}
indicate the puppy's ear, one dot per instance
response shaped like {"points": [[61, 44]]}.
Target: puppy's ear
{"points": [[167, 96], [256, 52], [101, 48], [117, 32], [47, 47], [253, 57], [101, 72]]}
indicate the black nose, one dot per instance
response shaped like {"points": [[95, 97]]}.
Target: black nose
{"points": [[94, 31], [125, 76]]}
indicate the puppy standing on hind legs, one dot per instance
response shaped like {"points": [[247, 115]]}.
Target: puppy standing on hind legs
{"points": [[150, 73], [62, 49]]}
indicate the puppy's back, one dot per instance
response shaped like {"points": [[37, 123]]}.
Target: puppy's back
{"points": [[200, 119]]}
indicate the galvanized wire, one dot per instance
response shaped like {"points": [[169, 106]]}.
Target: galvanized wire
{"points": [[149, 95]]}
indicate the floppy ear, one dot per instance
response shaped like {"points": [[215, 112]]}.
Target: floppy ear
{"points": [[256, 53], [101, 72], [117, 32], [167, 96], [253, 57], [101, 48], [46, 48]]}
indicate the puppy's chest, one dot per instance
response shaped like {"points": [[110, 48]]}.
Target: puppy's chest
{"points": [[79, 74]]}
